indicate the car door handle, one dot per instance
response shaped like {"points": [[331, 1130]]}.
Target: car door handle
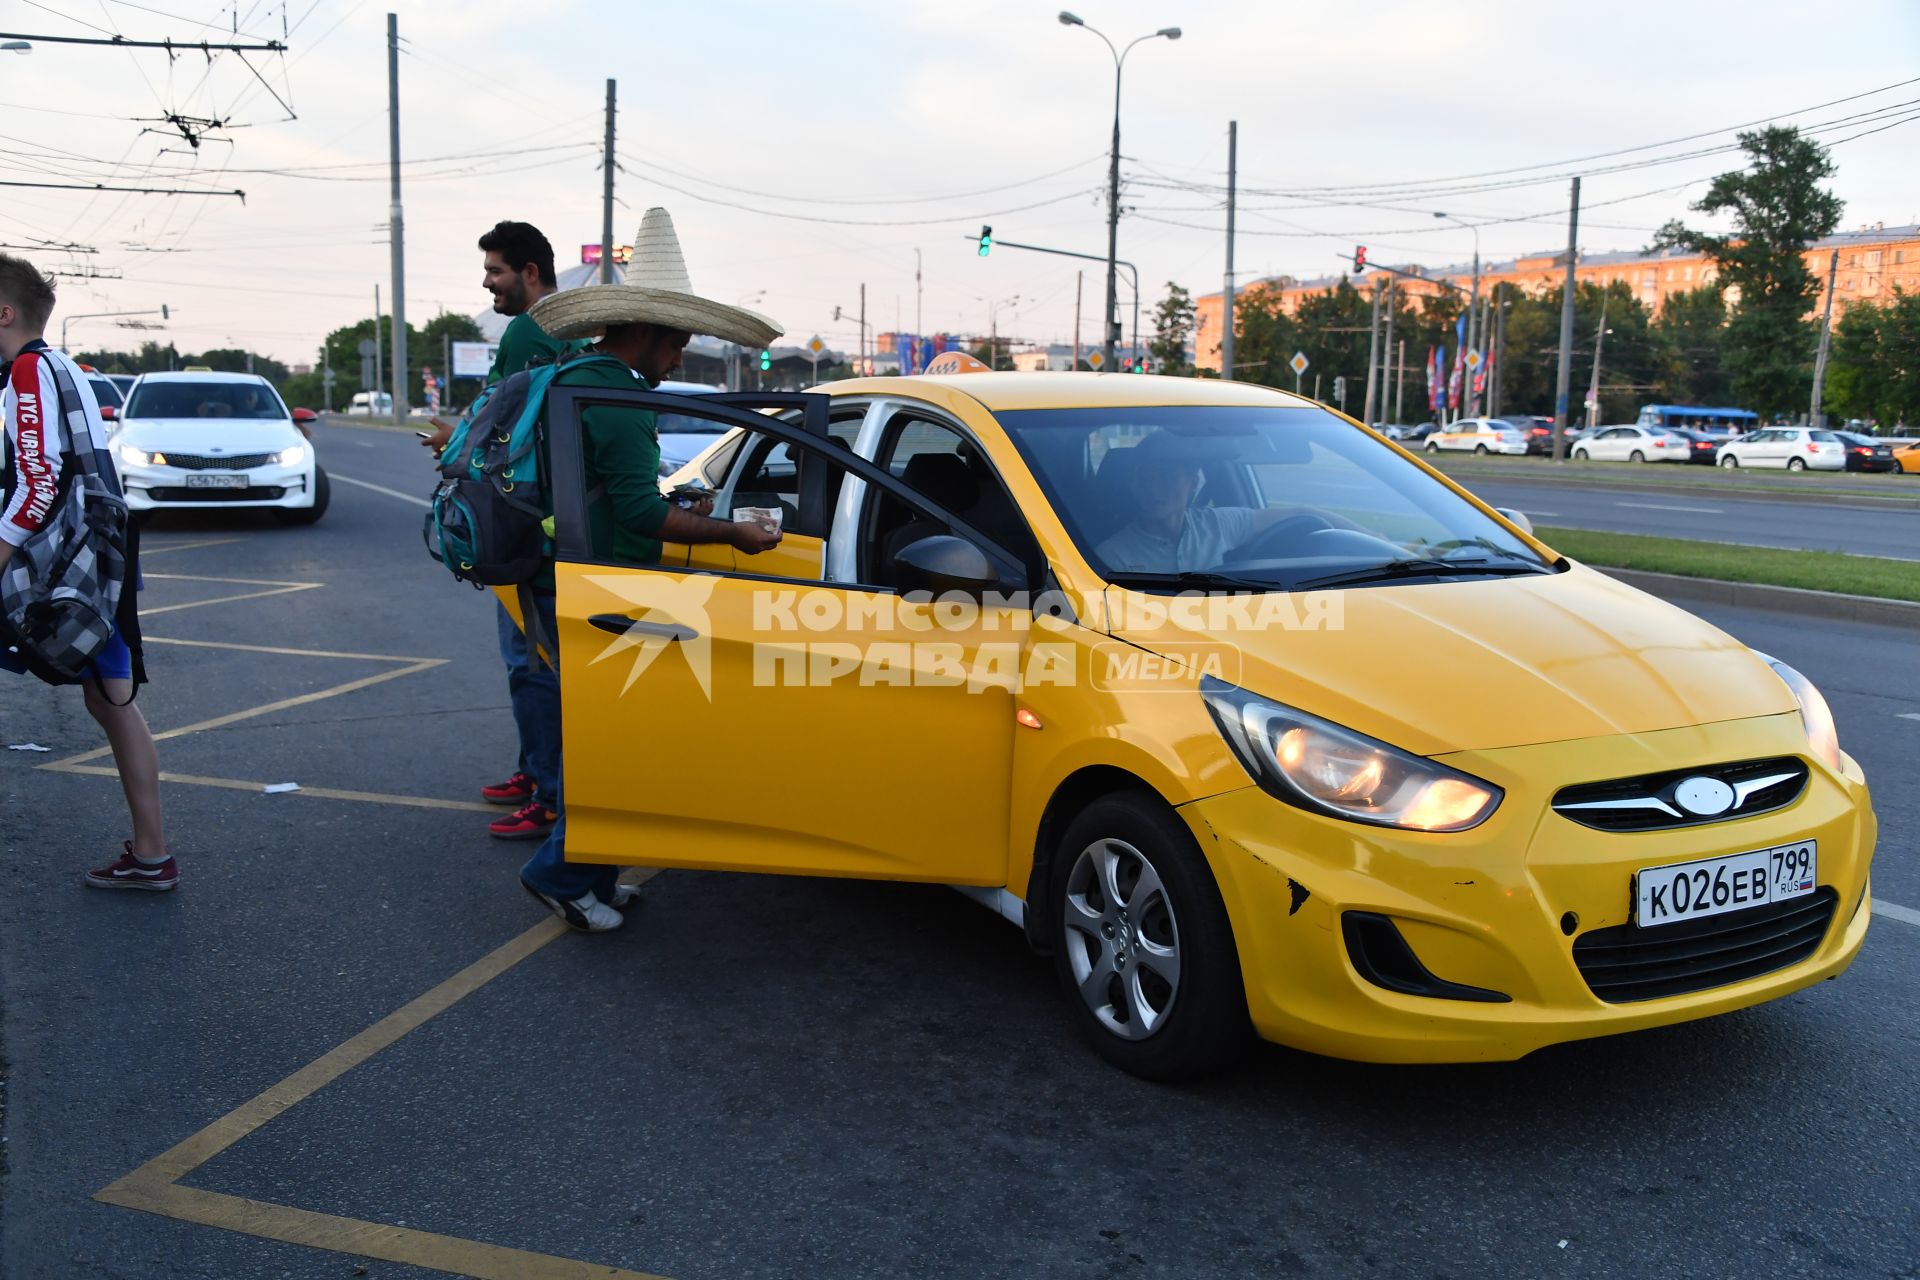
{"points": [[620, 624]]}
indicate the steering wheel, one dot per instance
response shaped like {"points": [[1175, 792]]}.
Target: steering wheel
{"points": [[1272, 542]]}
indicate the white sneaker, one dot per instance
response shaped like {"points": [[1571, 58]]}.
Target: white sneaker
{"points": [[586, 913], [624, 896]]}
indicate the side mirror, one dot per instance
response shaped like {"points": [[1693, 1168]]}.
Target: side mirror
{"points": [[947, 563], [108, 413], [1516, 518], [305, 415]]}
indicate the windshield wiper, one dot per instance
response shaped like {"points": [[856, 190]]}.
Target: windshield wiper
{"points": [[1421, 568], [1193, 580]]}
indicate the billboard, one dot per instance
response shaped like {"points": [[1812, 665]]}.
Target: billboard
{"points": [[473, 359], [590, 254]]}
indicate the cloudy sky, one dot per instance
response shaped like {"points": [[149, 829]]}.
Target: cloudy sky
{"points": [[805, 150]]}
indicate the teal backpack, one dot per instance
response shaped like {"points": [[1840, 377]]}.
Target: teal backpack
{"points": [[484, 522]]}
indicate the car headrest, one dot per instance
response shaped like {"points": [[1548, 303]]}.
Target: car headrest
{"points": [[943, 478]]}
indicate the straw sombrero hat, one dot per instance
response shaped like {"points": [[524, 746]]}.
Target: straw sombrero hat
{"points": [[656, 291]]}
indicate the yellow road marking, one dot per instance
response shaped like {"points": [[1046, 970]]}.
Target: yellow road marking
{"points": [[234, 582], [314, 793], [163, 548], [284, 704], [244, 595], [152, 1187]]}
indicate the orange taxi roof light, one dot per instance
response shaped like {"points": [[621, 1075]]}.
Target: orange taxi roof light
{"points": [[956, 362]]}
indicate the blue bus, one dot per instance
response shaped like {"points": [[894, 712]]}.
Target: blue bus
{"points": [[1722, 423]]}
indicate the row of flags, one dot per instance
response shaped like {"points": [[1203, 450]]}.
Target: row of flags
{"points": [[1443, 383], [916, 353]]}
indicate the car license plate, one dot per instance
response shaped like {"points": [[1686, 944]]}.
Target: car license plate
{"points": [[1710, 886], [217, 480]]}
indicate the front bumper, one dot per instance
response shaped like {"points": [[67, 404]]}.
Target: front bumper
{"points": [[169, 488], [1488, 908]]}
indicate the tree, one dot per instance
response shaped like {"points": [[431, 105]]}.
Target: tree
{"points": [[1633, 358], [1874, 368], [1264, 339], [1778, 208], [1691, 331], [1173, 333]]}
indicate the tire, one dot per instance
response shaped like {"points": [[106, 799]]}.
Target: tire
{"points": [[1636, 456], [1796, 464], [1432, 447], [1171, 920], [1581, 455], [322, 495], [1730, 462], [1480, 449]]}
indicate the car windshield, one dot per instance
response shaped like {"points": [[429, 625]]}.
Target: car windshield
{"points": [[1285, 498], [205, 400]]}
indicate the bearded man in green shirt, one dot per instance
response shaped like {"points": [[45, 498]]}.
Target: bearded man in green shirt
{"points": [[644, 324]]}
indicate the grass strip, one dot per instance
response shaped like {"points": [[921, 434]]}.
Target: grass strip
{"points": [[1766, 566], [1650, 474]]}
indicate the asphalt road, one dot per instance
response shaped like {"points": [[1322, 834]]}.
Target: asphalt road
{"points": [[1835, 524], [773, 1077]]}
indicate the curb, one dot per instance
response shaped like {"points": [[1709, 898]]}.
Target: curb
{"points": [[1875, 501], [1748, 595]]}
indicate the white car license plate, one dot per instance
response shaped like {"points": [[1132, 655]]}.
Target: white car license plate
{"points": [[1710, 886], [217, 480]]}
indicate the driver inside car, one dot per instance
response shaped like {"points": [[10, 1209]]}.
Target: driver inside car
{"points": [[1167, 533]]}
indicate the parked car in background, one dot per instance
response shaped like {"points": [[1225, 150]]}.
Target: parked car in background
{"points": [[108, 393], [1703, 448], [1864, 453], [371, 404], [682, 437], [1633, 444], [1478, 435], [217, 440], [1417, 434], [1795, 448], [1908, 457]]}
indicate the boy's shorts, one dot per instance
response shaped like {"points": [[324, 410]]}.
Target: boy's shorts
{"points": [[113, 662]]}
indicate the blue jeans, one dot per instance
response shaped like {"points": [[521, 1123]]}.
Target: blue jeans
{"points": [[534, 690], [548, 870]]}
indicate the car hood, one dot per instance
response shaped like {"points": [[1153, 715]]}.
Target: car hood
{"points": [[208, 435], [1473, 665]]}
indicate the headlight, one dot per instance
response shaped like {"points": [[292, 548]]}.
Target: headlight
{"points": [[1815, 714], [291, 456], [1318, 765], [132, 457]]}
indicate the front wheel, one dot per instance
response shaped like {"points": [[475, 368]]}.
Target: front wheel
{"points": [[1480, 449], [1432, 447], [1580, 455], [1144, 950], [322, 495], [1730, 462], [1636, 456], [1796, 464]]}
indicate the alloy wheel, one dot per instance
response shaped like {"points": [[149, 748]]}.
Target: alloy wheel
{"points": [[1122, 938]]}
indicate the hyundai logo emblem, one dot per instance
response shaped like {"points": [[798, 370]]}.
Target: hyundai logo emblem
{"points": [[1704, 797]]}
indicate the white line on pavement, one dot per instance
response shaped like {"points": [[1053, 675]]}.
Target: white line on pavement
{"points": [[380, 488], [1535, 511], [1908, 715], [1894, 911], [1661, 506]]}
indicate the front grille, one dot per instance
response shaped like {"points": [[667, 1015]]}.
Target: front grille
{"points": [[214, 462], [1624, 964], [255, 493], [1656, 801]]}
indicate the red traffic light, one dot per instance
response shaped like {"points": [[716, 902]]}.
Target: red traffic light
{"points": [[1359, 258]]}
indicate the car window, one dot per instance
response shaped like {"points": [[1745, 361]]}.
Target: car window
{"points": [[770, 476], [1824, 437], [205, 400], [106, 393], [940, 464]]}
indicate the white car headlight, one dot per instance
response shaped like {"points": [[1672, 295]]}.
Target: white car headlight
{"points": [[292, 456], [1319, 765], [1822, 734], [132, 457]]}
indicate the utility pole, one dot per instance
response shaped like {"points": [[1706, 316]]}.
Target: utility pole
{"points": [[1499, 353], [398, 235], [1373, 353], [1400, 385], [864, 370], [918, 334], [606, 198], [446, 371], [1565, 374], [326, 379], [1226, 337], [1826, 333], [1593, 391], [1386, 354], [1079, 281], [378, 378]]}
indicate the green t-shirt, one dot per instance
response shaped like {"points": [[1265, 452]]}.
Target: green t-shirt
{"points": [[621, 448], [523, 342]]}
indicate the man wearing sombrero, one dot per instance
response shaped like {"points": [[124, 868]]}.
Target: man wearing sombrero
{"points": [[644, 324]]}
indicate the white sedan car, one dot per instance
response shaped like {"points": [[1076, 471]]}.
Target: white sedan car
{"points": [[1633, 444], [1479, 435], [209, 440], [1795, 448]]}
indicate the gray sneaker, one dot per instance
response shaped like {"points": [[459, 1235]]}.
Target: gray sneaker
{"points": [[585, 914]]}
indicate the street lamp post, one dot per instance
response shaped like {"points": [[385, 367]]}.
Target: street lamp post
{"points": [[165, 313], [993, 328], [1474, 337], [1113, 172]]}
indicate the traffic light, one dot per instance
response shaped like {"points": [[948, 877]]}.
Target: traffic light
{"points": [[1140, 365], [766, 360], [1126, 364], [986, 240], [1359, 258]]}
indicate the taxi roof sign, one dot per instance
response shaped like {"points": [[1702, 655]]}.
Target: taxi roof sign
{"points": [[956, 362]]}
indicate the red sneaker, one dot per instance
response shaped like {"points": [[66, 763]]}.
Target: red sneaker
{"points": [[515, 790], [532, 821], [128, 872]]}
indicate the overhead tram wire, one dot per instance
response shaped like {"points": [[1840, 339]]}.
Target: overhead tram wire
{"points": [[869, 200]]}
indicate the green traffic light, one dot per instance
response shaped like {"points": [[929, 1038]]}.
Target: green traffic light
{"points": [[766, 361], [986, 241]]}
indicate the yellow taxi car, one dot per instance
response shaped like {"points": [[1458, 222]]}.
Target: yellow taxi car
{"points": [[1908, 456], [1124, 658]]}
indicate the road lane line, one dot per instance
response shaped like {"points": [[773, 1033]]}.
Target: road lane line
{"points": [[153, 1187], [285, 653], [1894, 911], [314, 793], [160, 549], [380, 488], [1909, 715], [1662, 506]]}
